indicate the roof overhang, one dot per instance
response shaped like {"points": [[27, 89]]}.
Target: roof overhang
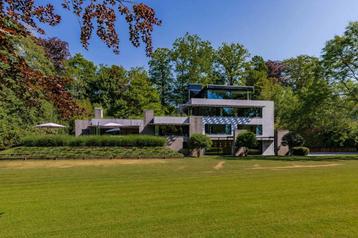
{"points": [[230, 87], [204, 102], [175, 121]]}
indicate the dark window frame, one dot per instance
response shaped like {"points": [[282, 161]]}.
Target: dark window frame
{"points": [[225, 130]]}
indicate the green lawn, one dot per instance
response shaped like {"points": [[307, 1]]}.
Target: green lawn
{"points": [[179, 198]]}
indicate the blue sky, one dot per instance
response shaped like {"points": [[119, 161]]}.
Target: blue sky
{"points": [[274, 29]]}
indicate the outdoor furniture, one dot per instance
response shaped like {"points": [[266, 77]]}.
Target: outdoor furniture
{"points": [[49, 125]]}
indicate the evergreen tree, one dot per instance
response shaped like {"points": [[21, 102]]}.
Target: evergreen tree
{"points": [[161, 76]]}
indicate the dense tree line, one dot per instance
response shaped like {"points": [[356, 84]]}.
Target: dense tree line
{"points": [[31, 90], [316, 97]]}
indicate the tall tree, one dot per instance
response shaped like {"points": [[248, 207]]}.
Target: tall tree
{"points": [[231, 60], [275, 70], [98, 15], [193, 60], [83, 73], [286, 102], [161, 76], [256, 73], [137, 95], [30, 90], [56, 50], [340, 60], [109, 84], [301, 72]]}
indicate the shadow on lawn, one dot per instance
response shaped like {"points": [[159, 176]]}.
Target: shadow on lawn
{"points": [[288, 158], [1, 213]]}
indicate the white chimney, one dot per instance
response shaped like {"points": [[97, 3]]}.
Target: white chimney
{"points": [[98, 113]]}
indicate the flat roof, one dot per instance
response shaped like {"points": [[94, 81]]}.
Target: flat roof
{"points": [[123, 122], [198, 87], [170, 121], [226, 103], [230, 87]]}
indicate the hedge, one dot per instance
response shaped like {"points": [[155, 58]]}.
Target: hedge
{"points": [[64, 152], [246, 139], [124, 141], [199, 141], [302, 151]]}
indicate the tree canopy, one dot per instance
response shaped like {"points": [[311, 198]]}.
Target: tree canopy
{"points": [[97, 16], [340, 60], [231, 60], [40, 81]]}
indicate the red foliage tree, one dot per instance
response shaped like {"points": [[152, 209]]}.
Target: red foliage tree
{"points": [[30, 83], [56, 50], [276, 70], [99, 15]]}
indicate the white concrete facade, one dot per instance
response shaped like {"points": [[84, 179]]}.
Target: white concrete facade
{"points": [[266, 121]]}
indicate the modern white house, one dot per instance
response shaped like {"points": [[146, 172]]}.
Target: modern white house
{"points": [[219, 111]]}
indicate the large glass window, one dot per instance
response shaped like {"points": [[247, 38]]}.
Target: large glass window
{"points": [[249, 112], [170, 130], [227, 112], [228, 94], [218, 129], [194, 90], [206, 111]]}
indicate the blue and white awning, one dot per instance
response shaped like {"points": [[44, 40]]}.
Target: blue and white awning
{"points": [[226, 120]]}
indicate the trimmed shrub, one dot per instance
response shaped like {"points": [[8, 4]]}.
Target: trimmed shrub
{"points": [[92, 152], [301, 151], [246, 139], [292, 139], [124, 141], [198, 142], [49, 140], [244, 142]]}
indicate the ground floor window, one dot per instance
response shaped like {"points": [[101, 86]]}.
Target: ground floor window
{"points": [[171, 130], [218, 129]]}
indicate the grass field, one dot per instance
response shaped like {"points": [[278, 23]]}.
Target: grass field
{"points": [[206, 197]]}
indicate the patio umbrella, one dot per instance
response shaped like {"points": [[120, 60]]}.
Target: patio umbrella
{"points": [[113, 130], [49, 125], [111, 125]]}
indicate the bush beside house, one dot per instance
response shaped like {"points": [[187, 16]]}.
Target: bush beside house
{"points": [[198, 143], [244, 142], [295, 142], [300, 151]]}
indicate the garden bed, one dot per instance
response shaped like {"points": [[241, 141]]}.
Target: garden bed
{"points": [[66, 152]]}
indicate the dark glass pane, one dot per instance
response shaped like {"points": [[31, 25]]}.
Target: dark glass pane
{"points": [[249, 112], [218, 129], [228, 94], [227, 112]]}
